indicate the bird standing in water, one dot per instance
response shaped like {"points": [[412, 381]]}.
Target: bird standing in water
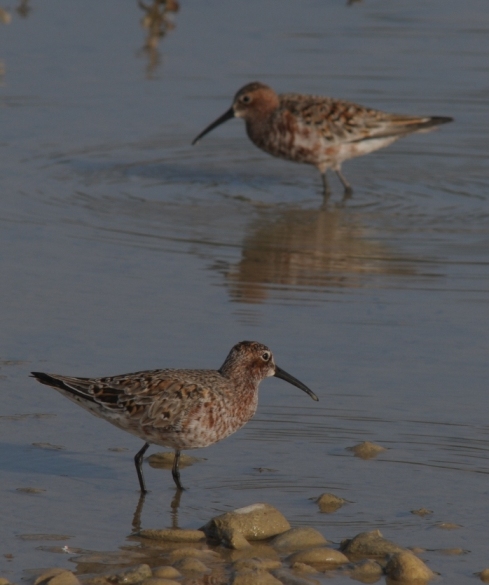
{"points": [[181, 409], [317, 130]]}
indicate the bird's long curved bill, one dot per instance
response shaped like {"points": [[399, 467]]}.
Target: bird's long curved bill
{"points": [[279, 373], [224, 118]]}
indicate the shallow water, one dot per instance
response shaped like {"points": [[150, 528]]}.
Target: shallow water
{"points": [[124, 248]]}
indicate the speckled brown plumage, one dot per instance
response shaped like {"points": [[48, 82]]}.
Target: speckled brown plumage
{"points": [[181, 409], [317, 130]]}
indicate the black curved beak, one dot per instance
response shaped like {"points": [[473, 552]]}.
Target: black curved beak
{"points": [[279, 373], [224, 118]]}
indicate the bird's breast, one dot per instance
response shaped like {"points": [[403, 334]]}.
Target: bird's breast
{"points": [[284, 136]]}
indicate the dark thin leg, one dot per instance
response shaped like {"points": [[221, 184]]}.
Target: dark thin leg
{"points": [[326, 189], [346, 185], [138, 460], [175, 472]]}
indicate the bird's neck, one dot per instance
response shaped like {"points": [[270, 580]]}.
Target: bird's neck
{"points": [[244, 381]]}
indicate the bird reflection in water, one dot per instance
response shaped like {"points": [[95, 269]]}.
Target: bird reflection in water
{"points": [[175, 505], [24, 8], [157, 21], [300, 250]]}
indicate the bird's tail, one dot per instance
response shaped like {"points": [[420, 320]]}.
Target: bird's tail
{"points": [[62, 384]]}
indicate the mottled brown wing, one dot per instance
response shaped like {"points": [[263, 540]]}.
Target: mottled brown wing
{"points": [[159, 398], [342, 121]]}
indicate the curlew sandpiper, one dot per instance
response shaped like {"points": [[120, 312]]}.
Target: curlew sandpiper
{"points": [[181, 409], [317, 130]]}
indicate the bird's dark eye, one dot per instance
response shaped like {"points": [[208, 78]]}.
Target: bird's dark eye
{"points": [[246, 99], [265, 356]]}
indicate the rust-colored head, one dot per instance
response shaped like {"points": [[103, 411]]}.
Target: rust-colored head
{"points": [[253, 101], [252, 360]]}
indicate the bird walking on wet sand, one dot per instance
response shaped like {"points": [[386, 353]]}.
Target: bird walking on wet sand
{"points": [[181, 409], [317, 130]]}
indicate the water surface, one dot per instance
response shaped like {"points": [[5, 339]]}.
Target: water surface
{"points": [[124, 248]]}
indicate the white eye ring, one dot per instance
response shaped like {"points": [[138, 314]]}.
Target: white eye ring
{"points": [[246, 99], [265, 356]]}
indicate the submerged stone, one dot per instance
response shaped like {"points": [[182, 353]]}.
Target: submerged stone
{"points": [[30, 490], [366, 450], [297, 538], [303, 568], [453, 551], [255, 522], [370, 544], [57, 576], [318, 556], [233, 538], [288, 578], [254, 563], [422, 512], [255, 577], [164, 460], [366, 571], [172, 535], [191, 565], [329, 503], [132, 575], [484, 575], [404, 566], [166, 572]]}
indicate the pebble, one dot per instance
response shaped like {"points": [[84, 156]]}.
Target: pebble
{"points": [[255, 522], [258, 549], [4, 581], [367, 571], [316, 556], [191, 565], [404, 566], [57, 576], [160, 581], [195, 553], [172, 535], [132, 575], [166, 572], [484, 575], [297, 538], [48, 446], [258, 562], [370, 544], [164, 460], [288, 578], [255, 577], [233, 538], [303, 568], [329, 503], [422, 512], [448, 525], [453, 551], [254, 563], [366, 450], [30, 490]]}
